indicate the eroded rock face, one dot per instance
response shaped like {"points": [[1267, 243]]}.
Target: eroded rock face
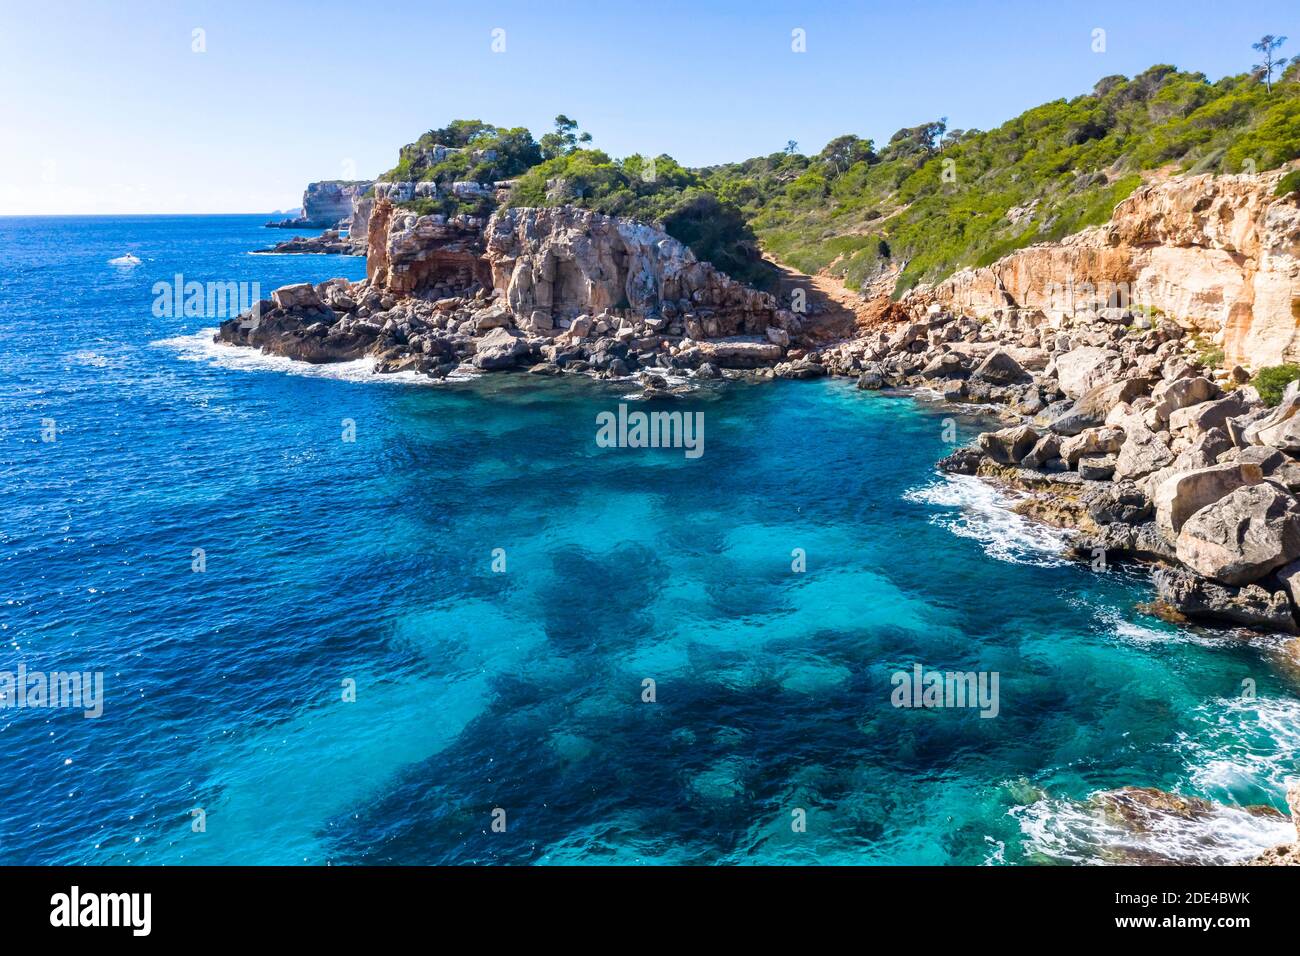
{"points": [[1219, 254], [409, 253], [327, 204], [568, 261]]}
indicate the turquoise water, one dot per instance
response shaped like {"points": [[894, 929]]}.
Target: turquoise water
{"points": [[372, 561]]}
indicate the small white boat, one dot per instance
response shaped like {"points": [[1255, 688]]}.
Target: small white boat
{"points": [[126, 260]]}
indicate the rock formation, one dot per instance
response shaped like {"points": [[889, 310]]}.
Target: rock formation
{"points": [[560, 288], [327, 205], [565, 261], [1218, 254]]}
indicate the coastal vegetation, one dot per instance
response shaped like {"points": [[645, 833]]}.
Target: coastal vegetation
{"points": [[931, 200], [1272, 382]]}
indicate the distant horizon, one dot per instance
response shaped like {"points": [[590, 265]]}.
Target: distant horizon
{"points": [[185, 110]]}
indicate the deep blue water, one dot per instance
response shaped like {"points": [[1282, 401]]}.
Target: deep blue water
{"points": [[371, 561]]}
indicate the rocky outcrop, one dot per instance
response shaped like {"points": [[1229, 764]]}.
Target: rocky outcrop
{"points": [[1117, 430], [567, 261], [328, 243], [560, 289], [327, 204], [1218, 254]]}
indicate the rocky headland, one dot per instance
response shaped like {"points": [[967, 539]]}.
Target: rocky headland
{"points": [[327, 205], [328, 243], [555, 289]]}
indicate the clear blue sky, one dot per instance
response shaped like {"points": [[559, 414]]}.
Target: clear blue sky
{"points": [[105, 108]]}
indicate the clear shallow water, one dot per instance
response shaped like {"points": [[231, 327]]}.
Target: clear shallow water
{"points": [[372, 561]]}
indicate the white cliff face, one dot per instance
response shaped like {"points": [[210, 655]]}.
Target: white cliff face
{"points": [[328, 203], [566, 261], [1218, 254]]}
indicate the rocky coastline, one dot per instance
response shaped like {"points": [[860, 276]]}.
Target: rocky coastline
{"points": [[1117, 422]]}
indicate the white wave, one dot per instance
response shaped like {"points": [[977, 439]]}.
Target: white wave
{"points": [[974, 509], [1244, 742], [671, 380], [199, 347], [1121, 628], [1077, 832], [126, 260]]}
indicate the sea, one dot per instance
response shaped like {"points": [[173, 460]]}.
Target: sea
{"points": [[344, 618]]}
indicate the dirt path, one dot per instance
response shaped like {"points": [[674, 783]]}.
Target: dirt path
{"points": [[828, 301]]}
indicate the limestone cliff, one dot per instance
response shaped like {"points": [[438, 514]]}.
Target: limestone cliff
{"points": [[327, 204], [563, 261], [1218, 254]]}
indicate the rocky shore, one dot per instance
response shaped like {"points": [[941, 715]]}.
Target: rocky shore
{"points": [[329, 242], [1120, 430], [551, 290], [1117, 422]]}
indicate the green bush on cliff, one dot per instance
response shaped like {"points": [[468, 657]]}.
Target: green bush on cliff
{"points": [[657, 190], [1290, 183], [482, 153], [1272, 382]]}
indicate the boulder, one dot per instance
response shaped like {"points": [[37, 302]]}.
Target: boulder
{"points": [[1097, 468], [1170, 395], [800, 369], [945, 366], [1047, 448], [1096, 404], [493, 317], [1242, 536], [964, 461], [1142, 453], [1182, 494], [301, 295], [778, 336], [999, 368], [1280, 427], [871, 378], [1092, 442], [1085, 368], [1206, 415], [500, 348], [1202, 599], [1009, 445]]}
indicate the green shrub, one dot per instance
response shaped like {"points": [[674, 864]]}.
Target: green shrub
{"points": [[1271, 382], [1289, 184]]}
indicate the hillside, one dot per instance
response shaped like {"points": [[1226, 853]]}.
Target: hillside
{"points": [[934, 200], [929, 202]]}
